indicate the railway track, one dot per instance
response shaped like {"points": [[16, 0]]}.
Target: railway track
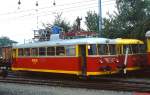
{"points": [[100, 84]]}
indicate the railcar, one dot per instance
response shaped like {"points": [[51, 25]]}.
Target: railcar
{"points": [[6, 52], [5, 55], [5, 59], [148, 47], [83, 56], [131, 54]]}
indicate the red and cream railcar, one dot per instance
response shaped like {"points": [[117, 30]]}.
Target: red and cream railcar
{"points": [[84, 56]]}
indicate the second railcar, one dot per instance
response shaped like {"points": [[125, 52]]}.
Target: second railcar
{"points": [[148, 47], [131, 54]]}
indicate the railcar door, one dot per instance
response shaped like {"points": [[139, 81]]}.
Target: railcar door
{"points": [[14, 56], [82, 53]]}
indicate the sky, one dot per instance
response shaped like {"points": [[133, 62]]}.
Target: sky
{"points": [[18, 22]]}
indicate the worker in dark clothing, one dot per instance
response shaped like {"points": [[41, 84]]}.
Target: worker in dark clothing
{"points": [[78, 20]]}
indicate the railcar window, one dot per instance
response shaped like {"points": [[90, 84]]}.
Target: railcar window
{"points": [[112, 49], [136, 48], [27, 51], [119, 49], [103, 49], [20, 52], [34, 51], [129, 47], [51, 51], [42, 51], [92, 49], [60, 51], [142, 48], [70, 51]]}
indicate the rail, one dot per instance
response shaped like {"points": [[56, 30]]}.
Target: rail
{"points": [[99, 84]]}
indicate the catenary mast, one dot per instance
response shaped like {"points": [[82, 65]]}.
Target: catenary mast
{"points": [[100, 17]]}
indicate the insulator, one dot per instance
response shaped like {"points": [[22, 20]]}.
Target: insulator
{"points": [[37, 3], [19, 2], [54, 3]]}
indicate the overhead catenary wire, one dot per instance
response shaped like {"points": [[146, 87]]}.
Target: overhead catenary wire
{"points": [[67, 9], [37, 4], [51, 12], [19, 3], [28, 10]]}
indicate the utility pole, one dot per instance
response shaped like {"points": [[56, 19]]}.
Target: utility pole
{"points": [[19, 3], [37, 4], [100, 17]]}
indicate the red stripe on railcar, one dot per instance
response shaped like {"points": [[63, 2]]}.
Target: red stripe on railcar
{"points": [[52, 63]]}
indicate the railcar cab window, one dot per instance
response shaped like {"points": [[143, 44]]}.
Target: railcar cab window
{"points": [[133, 49], [42, 51], [60, 51], [20, 52], [70, 51], [92, 49], [50, 51], [27, 51], [142, 48], [130, 49], [138, 48], [34, 51]]}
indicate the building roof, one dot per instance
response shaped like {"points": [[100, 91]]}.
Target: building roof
{"points": [[4, 41]]}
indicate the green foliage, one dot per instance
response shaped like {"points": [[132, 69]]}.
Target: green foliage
{"points": [[59, 21], [131, 21], [91, 21], [74, 26]]}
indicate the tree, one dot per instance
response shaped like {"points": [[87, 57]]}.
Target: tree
{"points": [[59, 21], [91, 21], [132, 19], [74, 26]]}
